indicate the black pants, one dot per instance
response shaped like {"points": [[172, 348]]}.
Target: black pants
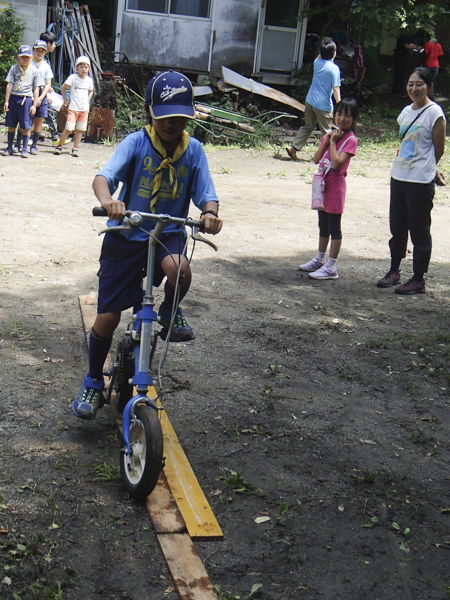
{"points": [[410, 211]]}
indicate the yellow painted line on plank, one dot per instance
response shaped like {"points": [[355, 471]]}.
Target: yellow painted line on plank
{"points": [[197, 514]]}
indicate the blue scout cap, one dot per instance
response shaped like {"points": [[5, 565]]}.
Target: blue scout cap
{"points": [[40, 44], [25, 50], [170, 94]]}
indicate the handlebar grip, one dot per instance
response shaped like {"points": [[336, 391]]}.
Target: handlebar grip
{"points": [[98, 211]]}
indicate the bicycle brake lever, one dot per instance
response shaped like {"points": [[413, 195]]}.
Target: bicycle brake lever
{"points": [[199, 238], [128, 224]]}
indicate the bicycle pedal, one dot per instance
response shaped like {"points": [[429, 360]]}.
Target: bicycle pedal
{"points": [[103, 401], [163, 333]]}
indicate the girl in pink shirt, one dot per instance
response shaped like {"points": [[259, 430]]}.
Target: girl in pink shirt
{"points": [[337, 147]]}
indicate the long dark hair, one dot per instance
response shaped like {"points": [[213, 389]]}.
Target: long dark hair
{"points": [[427, 77], [350, 107]]}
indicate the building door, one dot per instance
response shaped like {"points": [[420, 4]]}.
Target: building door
{"points": [[281, 36]]}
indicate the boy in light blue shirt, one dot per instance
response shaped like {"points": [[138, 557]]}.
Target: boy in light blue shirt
{"points": [[318, 105]]}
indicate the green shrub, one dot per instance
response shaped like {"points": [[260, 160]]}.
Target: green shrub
{"points": [[12, 27]]}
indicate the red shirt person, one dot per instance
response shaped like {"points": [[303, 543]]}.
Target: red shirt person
{"points": [[433, 50]]}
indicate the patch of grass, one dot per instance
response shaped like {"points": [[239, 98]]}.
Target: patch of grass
{"points": [[222, 171], [16, 330], [107, 472], [281, 174], [229, 596], [235, 484]]}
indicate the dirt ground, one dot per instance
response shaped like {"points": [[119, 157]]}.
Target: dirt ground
{"points": [[327, 401]]}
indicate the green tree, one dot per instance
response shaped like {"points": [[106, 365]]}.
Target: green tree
{"points": [[374, 20], [12, 27]]}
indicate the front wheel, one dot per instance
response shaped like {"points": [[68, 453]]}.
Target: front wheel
{"points": [[141, 468]]}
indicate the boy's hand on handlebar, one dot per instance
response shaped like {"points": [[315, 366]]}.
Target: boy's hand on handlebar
{"points": [[212, 224], [115, 209]]}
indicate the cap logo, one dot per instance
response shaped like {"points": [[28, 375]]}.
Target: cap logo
{"points": [[169, 92]]}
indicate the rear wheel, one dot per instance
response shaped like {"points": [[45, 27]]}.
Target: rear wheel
{"points": [[141, 468]]}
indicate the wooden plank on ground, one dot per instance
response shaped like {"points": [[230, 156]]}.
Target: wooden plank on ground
{"points": [[189, 575], [190, 499], [163, 509], [200, 520], [186, 568]]}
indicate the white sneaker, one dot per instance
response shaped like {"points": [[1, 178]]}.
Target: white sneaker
{"points": [[312, 265], [326, 271]]}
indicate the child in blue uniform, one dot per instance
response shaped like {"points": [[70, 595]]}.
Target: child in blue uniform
{"points": [[161, 169], [21, 98]]}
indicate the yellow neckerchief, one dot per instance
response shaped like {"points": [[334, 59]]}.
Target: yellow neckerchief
{"points": [[23, 75], [37, 62], [166, 162]]}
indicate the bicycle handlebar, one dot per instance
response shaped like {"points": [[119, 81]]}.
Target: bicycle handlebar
{"points": [[135, 218]]}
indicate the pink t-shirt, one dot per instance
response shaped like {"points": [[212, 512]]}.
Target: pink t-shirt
{"points": [[433, 52], [335, 185]]}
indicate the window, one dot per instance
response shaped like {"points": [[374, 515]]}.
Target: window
{"points": [[187, 8]]}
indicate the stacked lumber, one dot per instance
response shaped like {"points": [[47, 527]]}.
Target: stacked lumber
{"points": [[79, 37]]}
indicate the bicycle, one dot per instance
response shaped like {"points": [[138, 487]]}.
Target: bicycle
{"points": [[141, 458]]}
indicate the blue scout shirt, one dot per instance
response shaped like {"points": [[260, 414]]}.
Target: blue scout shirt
{"points": [[194, 181]]}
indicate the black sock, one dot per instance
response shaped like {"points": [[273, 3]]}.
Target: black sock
{"points": [[10, 139], [35, 139], [98, 351], [169, 295]]}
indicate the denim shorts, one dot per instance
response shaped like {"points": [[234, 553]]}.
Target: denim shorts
{"points": [[123, 265], [19, 112]]}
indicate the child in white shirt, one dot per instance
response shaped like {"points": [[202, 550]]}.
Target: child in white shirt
{"points": [[81, 91]]}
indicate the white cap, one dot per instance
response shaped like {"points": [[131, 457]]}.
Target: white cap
{"points": [[83, 59]]}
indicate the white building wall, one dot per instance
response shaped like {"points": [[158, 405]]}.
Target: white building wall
{"points": [[34, 13]]}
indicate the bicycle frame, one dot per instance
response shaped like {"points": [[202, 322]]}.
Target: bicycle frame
{"points": [[142, 332], [143, 320]]}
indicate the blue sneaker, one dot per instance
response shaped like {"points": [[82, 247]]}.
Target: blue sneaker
{"points": [[33, 150], [181, 331], [24, 153], [89, 398], [7, 152]]}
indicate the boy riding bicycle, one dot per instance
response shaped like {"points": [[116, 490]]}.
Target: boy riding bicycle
{"points": [[161, 169]]}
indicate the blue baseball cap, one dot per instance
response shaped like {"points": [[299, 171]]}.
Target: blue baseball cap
{"points": [[25, 50], [170, 94], [40, 44]]}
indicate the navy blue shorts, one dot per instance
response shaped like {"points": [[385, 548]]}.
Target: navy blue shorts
{"points": [[123, 265], [19, 112], [42, 110]]}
